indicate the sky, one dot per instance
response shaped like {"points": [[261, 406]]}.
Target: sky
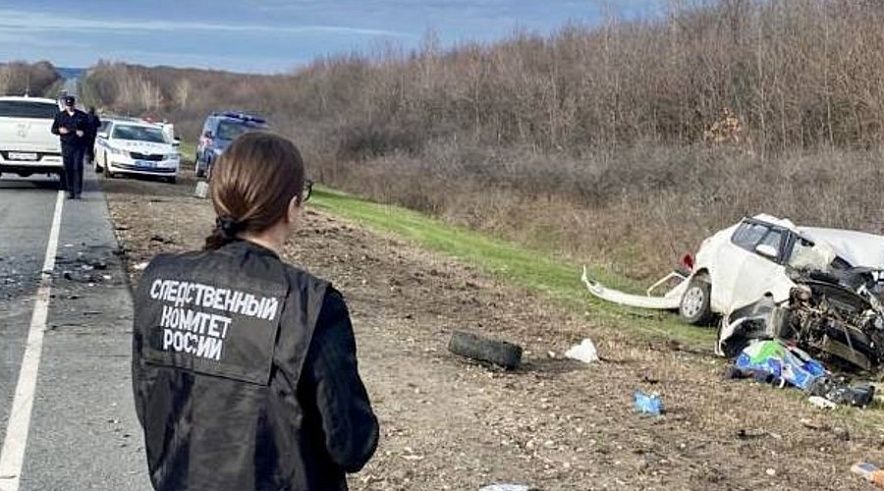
{"points": [[272, 36]]}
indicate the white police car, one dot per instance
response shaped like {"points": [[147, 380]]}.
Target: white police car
{"points": [[135, 147]]}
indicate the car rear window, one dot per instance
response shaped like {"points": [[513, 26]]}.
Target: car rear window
{"points": [[139, 133], [27, 109]]}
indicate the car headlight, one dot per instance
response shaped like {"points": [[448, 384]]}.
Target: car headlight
{"points": [[116, 151], [171, 156]]}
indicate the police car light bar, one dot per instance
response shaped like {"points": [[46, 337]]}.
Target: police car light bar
{"points": [[244, 116]]}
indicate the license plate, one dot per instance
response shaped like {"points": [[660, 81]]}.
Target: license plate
{"points": [[147, 164], [22, 156]]}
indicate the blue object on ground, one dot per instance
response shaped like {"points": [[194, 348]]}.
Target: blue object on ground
{"points": [[648, 404], [781, 363]]}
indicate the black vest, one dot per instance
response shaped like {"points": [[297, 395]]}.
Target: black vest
{"points": [[219, 345]]}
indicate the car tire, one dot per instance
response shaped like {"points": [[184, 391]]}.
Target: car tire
{"points": [[480, 348], [695, 307], [106, 168], [197, 170], [172, 180]]}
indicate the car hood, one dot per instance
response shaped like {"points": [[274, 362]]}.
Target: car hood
{"points": [[142, 147], [857, 248]]}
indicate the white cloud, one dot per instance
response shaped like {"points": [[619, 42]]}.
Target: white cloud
{"points": [[21, 21]]}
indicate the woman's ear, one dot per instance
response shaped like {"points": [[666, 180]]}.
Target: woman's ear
{"points": [[294, 209]]}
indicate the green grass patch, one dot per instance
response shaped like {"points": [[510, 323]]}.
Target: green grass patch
{"points": [[187, 151], [535, 270]]}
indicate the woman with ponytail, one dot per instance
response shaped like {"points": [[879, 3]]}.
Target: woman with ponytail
{"points": [[244, 367]]}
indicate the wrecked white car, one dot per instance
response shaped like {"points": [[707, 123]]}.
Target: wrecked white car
{"points": [[762, 265]]}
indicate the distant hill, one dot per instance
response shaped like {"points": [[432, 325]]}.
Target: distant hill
{"points": [[68, 73]]}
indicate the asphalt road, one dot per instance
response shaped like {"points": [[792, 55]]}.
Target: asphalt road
{"points": [[82, 432]]}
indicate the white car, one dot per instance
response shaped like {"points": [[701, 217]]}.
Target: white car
{"points": [[747, 262], [135, 147], [27, 145]]}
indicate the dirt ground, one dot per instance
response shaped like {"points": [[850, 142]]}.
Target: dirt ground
{"points": [[449, 424]]}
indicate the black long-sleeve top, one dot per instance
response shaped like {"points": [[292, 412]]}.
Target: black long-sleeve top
{"points": [[245, 375], [73, 122]]}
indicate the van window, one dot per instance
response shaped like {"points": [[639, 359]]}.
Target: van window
{"points": [[27, 109]]}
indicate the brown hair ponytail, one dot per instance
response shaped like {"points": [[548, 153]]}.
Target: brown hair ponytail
{"points": [[252, 185]]}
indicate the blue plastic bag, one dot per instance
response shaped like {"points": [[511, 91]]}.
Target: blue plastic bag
{"points": [[648, 404]]}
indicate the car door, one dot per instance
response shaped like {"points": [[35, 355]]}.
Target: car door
{"points": [[203, 141], [758, 275]]}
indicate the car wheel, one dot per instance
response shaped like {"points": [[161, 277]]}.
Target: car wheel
{"points": [[172, 180], [199, 171], [695, 306], [107, 172]]}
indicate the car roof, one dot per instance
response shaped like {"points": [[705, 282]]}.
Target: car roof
{"points": [[780, 222], [857, 248], [28, 99], [240, 117], [139, 124]]}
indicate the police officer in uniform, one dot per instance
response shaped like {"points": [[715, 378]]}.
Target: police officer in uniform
{"points": [[244, 367], [71, 125]]}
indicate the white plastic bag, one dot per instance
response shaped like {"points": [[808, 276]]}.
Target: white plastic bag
{"points": [[505, 487], [585, 352]]}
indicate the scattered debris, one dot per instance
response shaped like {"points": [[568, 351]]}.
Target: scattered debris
{"points": [[774, 362], [744, 434], [477, 347], [650, 380], [161, 239], [585, 352], [507, 487], [648, 403], [140, 266], [85, 277], [841, 433], [821, 402], [870, 472]]}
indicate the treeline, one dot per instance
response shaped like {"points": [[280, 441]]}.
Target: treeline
{"points": [[36, 79], [794, 73], [676, 125]]}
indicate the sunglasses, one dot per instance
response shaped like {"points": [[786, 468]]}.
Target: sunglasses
{"points": [[308, 190]]}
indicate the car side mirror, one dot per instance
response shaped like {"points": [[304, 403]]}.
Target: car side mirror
{"points": [[102, 135], [767, 251], [209, 134]]}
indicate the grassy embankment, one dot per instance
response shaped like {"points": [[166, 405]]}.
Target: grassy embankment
{"points": [[535, 270]]}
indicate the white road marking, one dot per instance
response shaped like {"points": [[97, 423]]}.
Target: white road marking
{"points": [[12, 455]]}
